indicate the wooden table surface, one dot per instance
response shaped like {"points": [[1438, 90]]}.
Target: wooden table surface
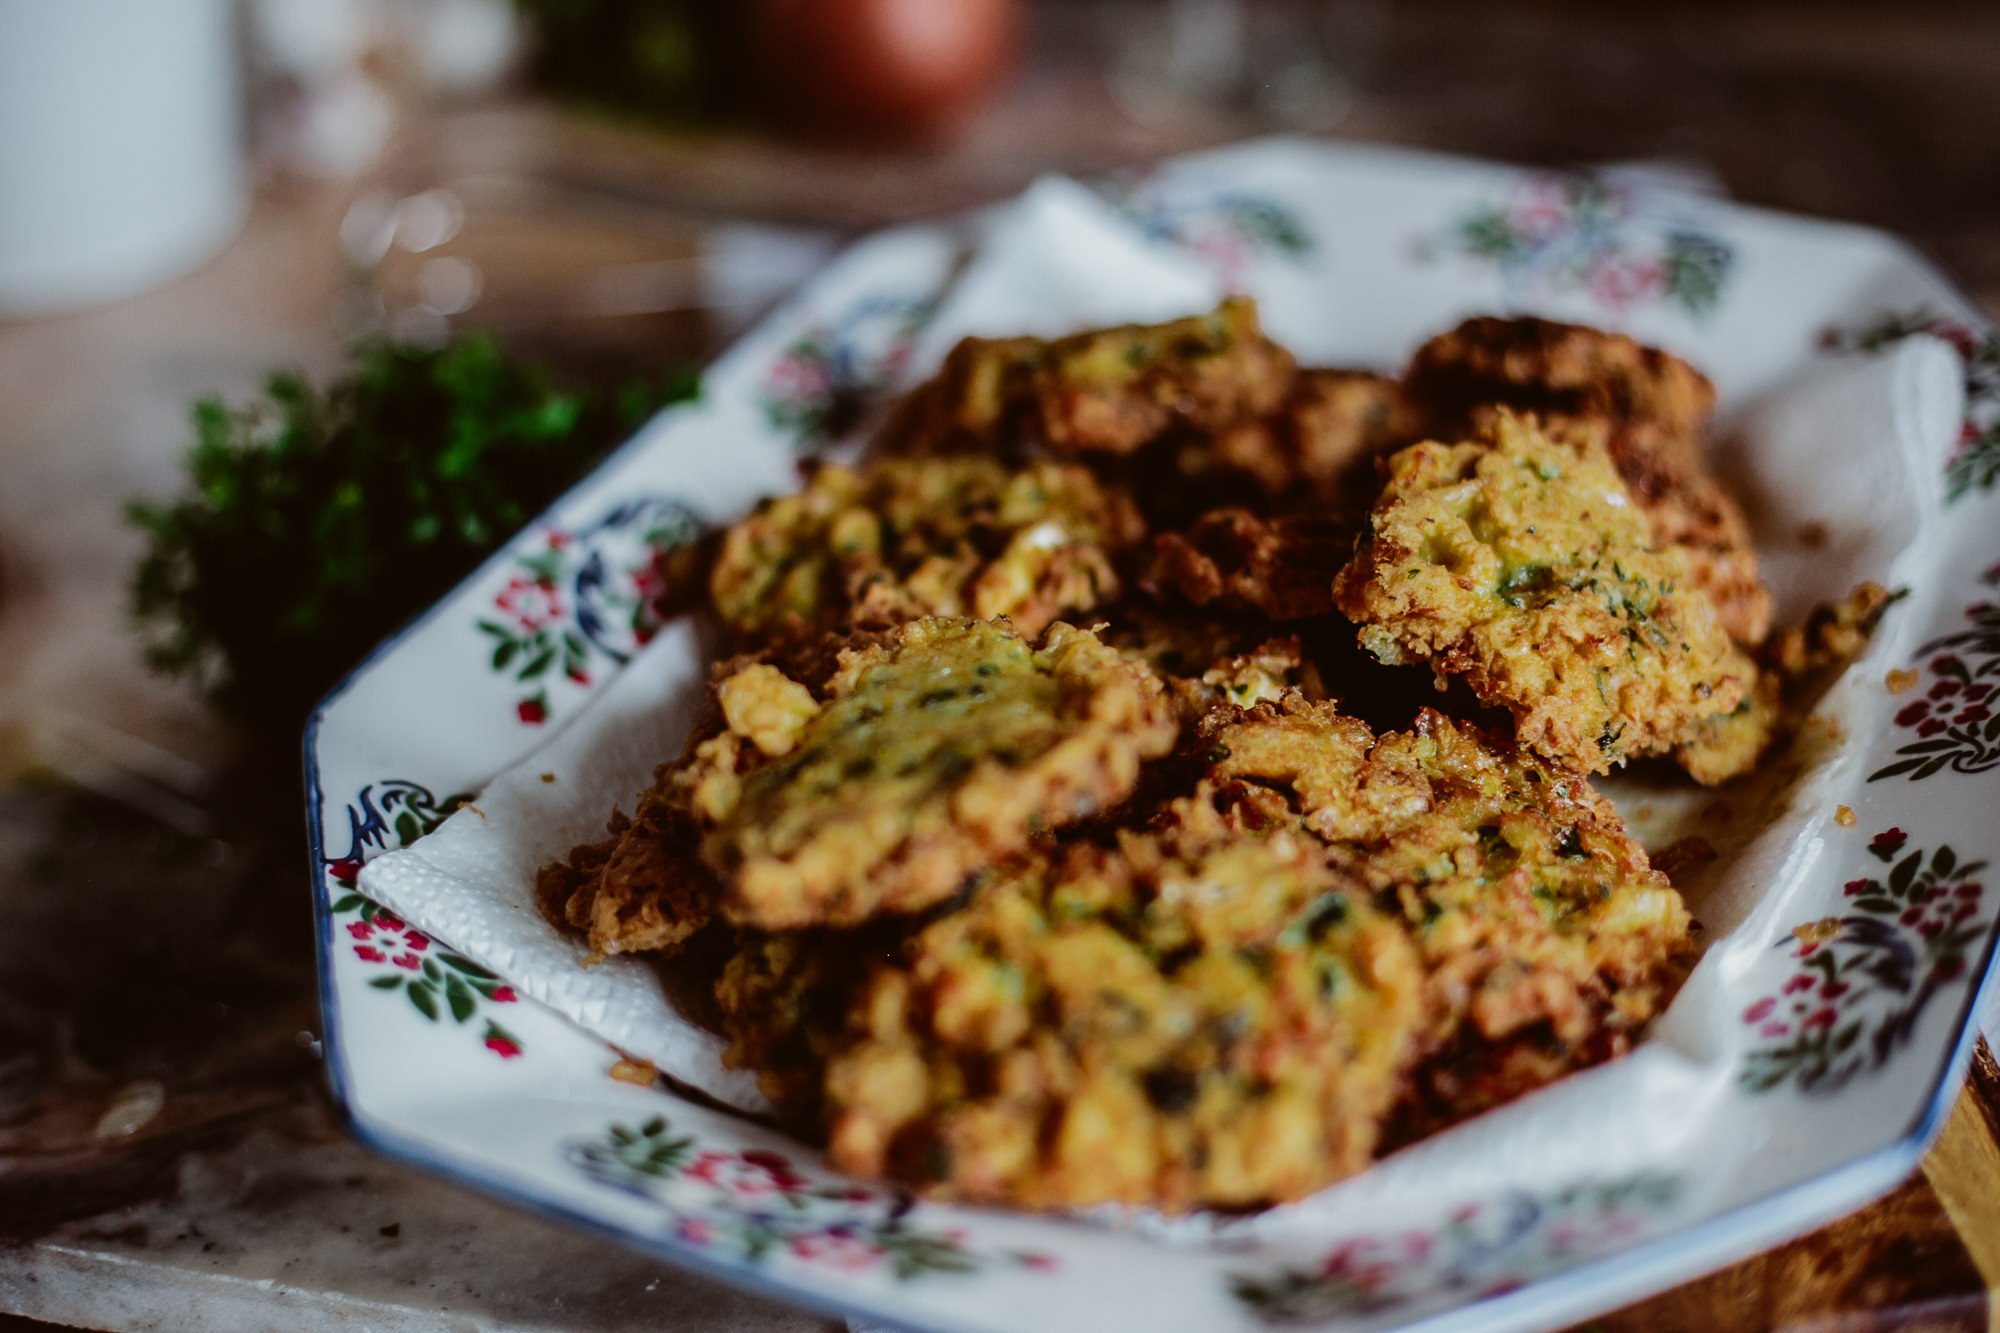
{"points": [[197, 969]]}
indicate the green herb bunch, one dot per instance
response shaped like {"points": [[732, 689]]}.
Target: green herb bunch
{"points": [[317, 522]]}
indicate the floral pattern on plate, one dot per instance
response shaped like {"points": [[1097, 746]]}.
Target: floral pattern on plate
{"points": [[1975, 463], [1865, 978], [1623, 245], [1226, 229], [579, 601], [1483, 1248], [757, 1207], [829, 374], [436, 981], [1955, 720]]}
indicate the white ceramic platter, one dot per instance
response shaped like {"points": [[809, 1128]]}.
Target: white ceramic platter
{"points": [[1851, 1000]]}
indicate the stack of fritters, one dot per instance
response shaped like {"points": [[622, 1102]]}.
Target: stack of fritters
{"points": [[1036, 824]]}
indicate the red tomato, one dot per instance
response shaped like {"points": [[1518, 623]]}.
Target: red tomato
{"points": [[881, 69]]}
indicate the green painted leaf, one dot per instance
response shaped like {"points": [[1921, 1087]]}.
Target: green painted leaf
{"points": [[432, 970], [467, 966], [1942, 861], [538, 666], [385, 983], [459, 996], [424, 998], [348, 903], [1894, 770], [407, 830], [503, 654]]}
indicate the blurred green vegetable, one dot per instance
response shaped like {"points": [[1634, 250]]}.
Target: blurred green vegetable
{"points": [[662, 60], [318, 522]]}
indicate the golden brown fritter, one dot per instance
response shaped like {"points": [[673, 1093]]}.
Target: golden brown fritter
{"points": [[1194, 1016], [1794, 663], [1316, 451], [1232, 560], [642, 890], [1649, 408], [1535, 913], [1108, 391], [1563, 369], [1519, 562], [947, 744], [904, 538]]}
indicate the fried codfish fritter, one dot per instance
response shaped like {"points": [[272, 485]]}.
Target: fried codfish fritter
{"points": [[1792, 664], [1519, 562], [1233, 560], [1108, 391], [1316, 451], [1648, 407], [1193, 1016], [904, 538], [1546, 938], [925, 756]]}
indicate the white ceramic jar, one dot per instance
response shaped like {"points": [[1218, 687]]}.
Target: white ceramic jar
{"points": [[121, 146]]}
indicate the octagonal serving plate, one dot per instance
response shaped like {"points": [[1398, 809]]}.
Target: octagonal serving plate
{"points": [[1850, 999]]}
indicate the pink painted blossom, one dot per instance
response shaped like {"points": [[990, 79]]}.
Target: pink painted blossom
{"points": [[1760, 1011], [530, 603], [502, 1047]]}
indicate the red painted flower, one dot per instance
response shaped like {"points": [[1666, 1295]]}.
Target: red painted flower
{"points": [[1821, 1018], [344, 871], [504, 995], [1948, 968], [1760, 1011], [748, 1175], [1855, 886], [533, 711], [1798, 982], [1888, 842], [502, 1046], [838, 1250], [385, 939], [1041, 1263], [530, 602]]}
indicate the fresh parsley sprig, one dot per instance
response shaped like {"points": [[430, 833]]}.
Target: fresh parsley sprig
{"points": [[317, 521]]}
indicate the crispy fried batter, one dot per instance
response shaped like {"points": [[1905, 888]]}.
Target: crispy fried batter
{"points": [[642, 890], [1794, 663], [1648, 407], [1317, 451], [1232, 560], [1567, 369], [948, 744], [1108, 391], [1536, 914], [1194, 1016], [905, 538], [1519, 562]]}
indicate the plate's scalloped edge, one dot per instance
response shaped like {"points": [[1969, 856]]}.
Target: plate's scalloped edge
{"points": [[1644, 1269]]}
